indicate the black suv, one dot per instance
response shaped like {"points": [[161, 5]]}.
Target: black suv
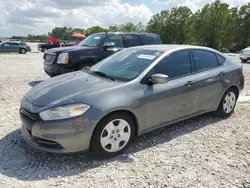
{"points": [[93, 49]]}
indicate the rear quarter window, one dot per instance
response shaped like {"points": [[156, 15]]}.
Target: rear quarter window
{"points": [[150, 39], [221, 60]]}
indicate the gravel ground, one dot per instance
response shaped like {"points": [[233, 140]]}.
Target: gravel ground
{"points": [[201, 152]]}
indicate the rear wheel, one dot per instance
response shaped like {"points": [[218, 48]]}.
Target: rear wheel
{"points": [[23, 51], [243, 60], [228, 103], [113, 135]]}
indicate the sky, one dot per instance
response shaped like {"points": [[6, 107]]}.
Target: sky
{"points": [[23, 17]]}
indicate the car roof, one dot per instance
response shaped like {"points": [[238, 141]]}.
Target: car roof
{"points": [[173, 47], [121, 32], [12, 41]]}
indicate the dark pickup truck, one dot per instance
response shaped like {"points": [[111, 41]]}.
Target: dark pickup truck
{"points": [[47, 46], [93, 49]]}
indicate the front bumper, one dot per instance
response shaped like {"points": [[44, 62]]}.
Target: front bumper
{"points": [[59, 136], [55, 69]]}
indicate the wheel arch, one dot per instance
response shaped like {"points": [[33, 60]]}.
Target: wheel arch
{"points": [[129, 112], [233, 86]]}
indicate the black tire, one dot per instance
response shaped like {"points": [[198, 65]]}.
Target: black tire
{"points": [[96, 145], [23, 51], [243, 60], [80, 66], [221, 112], [50, 73]]}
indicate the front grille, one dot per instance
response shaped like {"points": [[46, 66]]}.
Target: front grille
{"points": [[49, 58], [48, 143]]}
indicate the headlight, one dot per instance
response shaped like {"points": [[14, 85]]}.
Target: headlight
{"points": [[63, 58], [63, 112]]}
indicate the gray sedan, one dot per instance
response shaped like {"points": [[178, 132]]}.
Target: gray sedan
{"points": [[128, 94], [19, 47]]}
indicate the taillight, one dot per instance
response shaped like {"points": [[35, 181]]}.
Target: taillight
{"points": [[241, 52]]}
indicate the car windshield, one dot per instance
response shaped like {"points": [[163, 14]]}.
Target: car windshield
{"points": [[127, 64], [92, 40]]}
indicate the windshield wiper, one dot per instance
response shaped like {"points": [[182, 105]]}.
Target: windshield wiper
{"points": [[85, 45], [103, 75]]}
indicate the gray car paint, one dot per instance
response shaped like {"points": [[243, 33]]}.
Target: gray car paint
{"points": [[152, 105], [14, 48]]}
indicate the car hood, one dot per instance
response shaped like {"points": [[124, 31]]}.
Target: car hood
{"points": [[66, 88], [69, 49]]}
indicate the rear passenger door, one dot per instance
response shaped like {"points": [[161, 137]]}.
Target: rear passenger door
{"points": [[15, 47], [131, 40], [210, 79]]}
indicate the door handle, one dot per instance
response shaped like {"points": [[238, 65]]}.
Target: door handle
{"points": [[221, 73], [189, 83]]}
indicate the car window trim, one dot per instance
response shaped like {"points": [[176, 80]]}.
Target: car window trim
{"points": [[192, 72], [205, 69]]}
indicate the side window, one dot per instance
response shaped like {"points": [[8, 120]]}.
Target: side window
{"points": [[175, 65], [221, 60], [14, 44], [204, 60], [131, 40], [6, 44], [117, 40], [152, 39]]}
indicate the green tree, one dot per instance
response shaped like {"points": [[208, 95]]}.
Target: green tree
{"points": [[95, 29]]}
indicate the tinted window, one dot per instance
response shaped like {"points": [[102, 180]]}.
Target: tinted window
{"points": [[204, 60], [131, 40], [14, 44], [151, 39], [117, 40], [127, 64], [176, 65], [6, 44], [221, 60], [92, 40]]}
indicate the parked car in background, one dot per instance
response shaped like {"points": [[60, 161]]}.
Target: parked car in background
{"points": [[49, 45], [10, 46], [127, 94], [245, 55], [93, 49]]}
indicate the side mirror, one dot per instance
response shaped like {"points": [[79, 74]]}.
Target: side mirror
{"points": [[159, 79], [108, 45]]}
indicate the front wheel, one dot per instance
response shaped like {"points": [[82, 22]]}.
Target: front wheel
{"points": [[83, 65], [113, 135], [228, 103]]}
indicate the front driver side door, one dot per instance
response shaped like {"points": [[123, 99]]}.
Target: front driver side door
{"points": [[165, 103], [6, 47], [119, 45]]}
